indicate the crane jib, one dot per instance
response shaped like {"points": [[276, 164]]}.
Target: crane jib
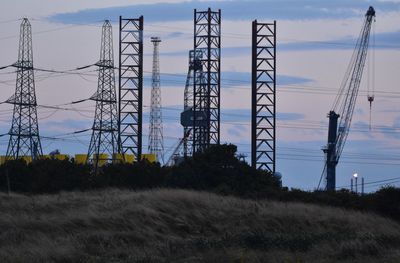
{"points": [[345, 101]]}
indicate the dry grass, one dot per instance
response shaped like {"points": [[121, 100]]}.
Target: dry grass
{"points": [[186, 226]]}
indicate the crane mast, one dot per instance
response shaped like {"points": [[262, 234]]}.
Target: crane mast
{"points": [[345, 101], [187, 115]]}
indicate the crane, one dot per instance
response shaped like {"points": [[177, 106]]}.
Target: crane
{"points": [[175, 157], [187, 114], [343, 106]]}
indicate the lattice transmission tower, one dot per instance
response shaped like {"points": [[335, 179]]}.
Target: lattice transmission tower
{"points": [[156, 140], [206, 90], [24, 132], [104, 140]]}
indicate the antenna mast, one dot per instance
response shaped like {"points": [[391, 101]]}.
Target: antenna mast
{"points": [[156, 141]]}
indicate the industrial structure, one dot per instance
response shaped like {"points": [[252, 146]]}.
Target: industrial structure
{"points": [[117, 125], [263, 96], [104, 141], [186, 121], [24, 133], [343, 106], [184, 147], [206, 80], [156, 141], [130, 92]]}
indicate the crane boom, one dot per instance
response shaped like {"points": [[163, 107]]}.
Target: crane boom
{"points": [[175, 153], [345, 101], [187, 114]]}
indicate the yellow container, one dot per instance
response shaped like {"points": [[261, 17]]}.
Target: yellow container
{"points": [[80, 158], [118, 158], [4, 159], [129, 158], [27, 159], [44, 157], [101, 158], [152, 158], [61, 157]]}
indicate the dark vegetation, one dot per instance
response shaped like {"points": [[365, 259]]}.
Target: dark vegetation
{"points": [[164, 225], [216, 170]]}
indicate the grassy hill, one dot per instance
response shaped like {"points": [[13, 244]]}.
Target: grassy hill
{"points": [[187, 226]]}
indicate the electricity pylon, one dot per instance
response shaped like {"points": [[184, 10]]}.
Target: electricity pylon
{"points": [[24, 132], [104, 140]]}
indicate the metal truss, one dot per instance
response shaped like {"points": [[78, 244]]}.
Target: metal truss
{"points": [[156, 138], [104, 140], [130, 85], [24, 132], [206, 88], [263, 128], [194, 65]]}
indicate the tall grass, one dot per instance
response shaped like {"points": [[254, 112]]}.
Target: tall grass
{"points": [[187, 226]]}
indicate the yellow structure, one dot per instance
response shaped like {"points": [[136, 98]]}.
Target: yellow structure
{"points": [[27, 159], [61, 157], [129, 158], [101, 158], [123, 158], [80, 158], [44, 157], [118, 158], [152, 158], [2, 159]]}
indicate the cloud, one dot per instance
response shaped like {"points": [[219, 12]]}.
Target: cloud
{"points": [[361, 127], [391, 131], [176, 34], [244, 115], [231, 10], [235, 131], [382, 41], [228, 79]]}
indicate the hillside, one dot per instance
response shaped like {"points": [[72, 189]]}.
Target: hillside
{"points": [[187, 226]]}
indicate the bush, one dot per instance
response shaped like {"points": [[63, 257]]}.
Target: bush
{"points": [[216, 170]]}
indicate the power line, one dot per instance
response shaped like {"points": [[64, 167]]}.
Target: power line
{"points": [[372, 182], [291, 88], [189, 32], [9, 21], [304, 124]]}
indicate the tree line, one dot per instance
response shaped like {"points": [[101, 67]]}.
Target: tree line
{"points": [[217, 170]]}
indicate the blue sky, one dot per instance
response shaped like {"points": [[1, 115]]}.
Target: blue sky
{"points": [[232, 10], [315, 42]]}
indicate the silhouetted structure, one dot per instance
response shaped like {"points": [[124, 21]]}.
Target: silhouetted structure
{"points": [[263, 127], [343, 106], [206, 89], [187, 114], [156, 141], [130, 85], [104, 140], [24, 132]]}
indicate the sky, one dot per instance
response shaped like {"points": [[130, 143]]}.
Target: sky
{"points": [[315, 40]]}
